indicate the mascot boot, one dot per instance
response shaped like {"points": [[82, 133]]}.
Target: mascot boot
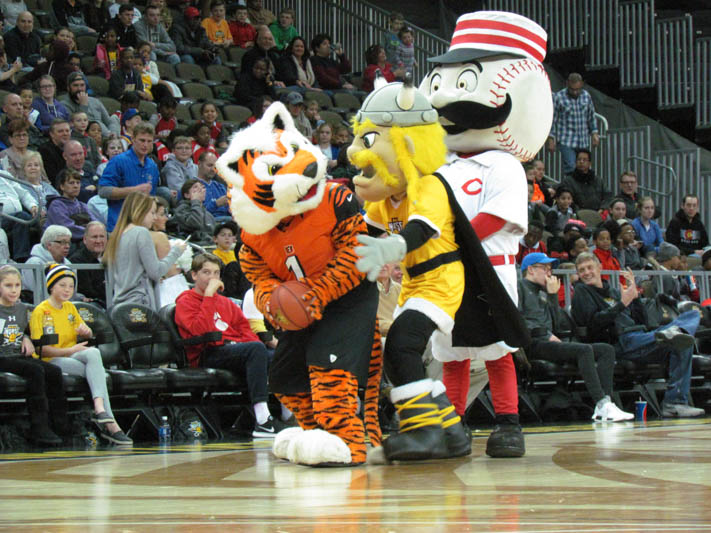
{"points": [[456, 434], [421, 435], [507, 438]]}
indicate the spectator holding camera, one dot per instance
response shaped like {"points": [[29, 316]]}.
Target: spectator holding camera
{"points": [[327, 70], [258, 81]]}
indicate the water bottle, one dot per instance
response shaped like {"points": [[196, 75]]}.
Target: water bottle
{"points": [[164, 431], [47, 324]]}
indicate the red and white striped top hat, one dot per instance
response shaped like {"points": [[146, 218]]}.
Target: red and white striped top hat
{"points": [[488, 33]]}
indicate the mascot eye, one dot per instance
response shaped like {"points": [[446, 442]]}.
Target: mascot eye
{"points": [[273, 169], [467, 80], [369, 139], [295, 147], [435, 82]]}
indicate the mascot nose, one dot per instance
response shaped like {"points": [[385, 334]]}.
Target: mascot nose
{"points": [[311, 170]]}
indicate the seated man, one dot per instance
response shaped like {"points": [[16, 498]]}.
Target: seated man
{"points": [[75, 159], [609, 314], [202, 310], [91, 283], [685, 230], [216, 199], [538, 303]]}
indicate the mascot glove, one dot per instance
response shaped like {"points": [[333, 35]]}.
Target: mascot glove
{"points": [[315, 298], [376, 253]]}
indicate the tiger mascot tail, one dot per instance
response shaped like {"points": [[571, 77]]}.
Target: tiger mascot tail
{"points": [[297, 226]]}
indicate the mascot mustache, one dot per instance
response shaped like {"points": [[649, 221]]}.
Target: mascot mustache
{"points": [[468, 115]]}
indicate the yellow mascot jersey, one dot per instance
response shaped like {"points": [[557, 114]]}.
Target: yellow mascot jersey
{"points": [[66, 321], [443, 286]]}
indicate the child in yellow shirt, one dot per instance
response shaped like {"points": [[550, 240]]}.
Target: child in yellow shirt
{"points": [[225, 237]]}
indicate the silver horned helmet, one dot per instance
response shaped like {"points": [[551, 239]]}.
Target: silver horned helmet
{"points": [[397, 104]]}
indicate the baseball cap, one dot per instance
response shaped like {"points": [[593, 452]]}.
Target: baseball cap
{"points": [[128, 114], [537, 258], [191, 12], [294, 99], [73, 77]]}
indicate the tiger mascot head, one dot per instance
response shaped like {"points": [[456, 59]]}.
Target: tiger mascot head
{"points": [[272, 171]]}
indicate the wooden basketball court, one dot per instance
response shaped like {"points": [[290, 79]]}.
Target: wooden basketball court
{"points": [[625, 477]]}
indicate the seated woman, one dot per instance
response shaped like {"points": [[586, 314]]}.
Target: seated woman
{"points": [[46, 401], [58, 315], [254, 83], [48, 106], [375, 59], [37, 182], [294, 68], [131, 255], [18, 131], [646, 227]]}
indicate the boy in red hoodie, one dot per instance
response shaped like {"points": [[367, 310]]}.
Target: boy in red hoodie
{"points": [[202, 310]]}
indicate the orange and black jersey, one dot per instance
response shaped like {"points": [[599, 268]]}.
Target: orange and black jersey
{"points": [[316, 247]]}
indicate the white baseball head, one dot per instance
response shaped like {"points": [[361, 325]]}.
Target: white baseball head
{"points": [[490, 89]]}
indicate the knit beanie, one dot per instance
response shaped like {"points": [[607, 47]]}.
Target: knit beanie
{"points": [[54, 272]]}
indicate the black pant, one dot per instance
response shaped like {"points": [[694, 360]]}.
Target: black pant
{"points": [[43, 379], [404, 346], [247, 358], [597, 377]]}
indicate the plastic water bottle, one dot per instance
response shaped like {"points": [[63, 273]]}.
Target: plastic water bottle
{"points": [[47, 324], [164, 431]]}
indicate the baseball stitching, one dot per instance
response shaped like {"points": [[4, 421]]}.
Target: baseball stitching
{"points": [[500, 85]]}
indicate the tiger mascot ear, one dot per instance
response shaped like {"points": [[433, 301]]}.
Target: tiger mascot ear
{"points": [[272, 171]]}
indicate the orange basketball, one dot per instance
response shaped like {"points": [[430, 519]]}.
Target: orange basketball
{"points": [[287, 307]]}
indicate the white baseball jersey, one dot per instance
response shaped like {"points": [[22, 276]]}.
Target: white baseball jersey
{"points": [[492, 182]]}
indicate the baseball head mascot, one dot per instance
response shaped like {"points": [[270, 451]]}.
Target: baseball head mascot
{"points": [[494, 100], [398, 145], [296, 226]]}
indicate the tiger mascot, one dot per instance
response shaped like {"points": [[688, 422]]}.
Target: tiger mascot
{"points": [[295, 225]]}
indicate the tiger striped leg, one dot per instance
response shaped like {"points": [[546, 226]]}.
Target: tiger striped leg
{"points": [[300, 404], [335, 400], [372, 390]]}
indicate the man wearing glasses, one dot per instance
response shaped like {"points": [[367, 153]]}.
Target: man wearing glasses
{"points": [[628, 192], [53, 247]]}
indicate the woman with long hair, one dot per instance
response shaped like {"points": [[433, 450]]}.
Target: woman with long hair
{"points": [[294, 68], [130, 254]]}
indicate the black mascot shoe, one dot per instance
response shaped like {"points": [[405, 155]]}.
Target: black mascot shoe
{"points": [[456, 434], [507, 438], [421, 435]]}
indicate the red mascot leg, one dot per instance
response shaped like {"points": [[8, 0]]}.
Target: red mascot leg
{"points": [[455, 376], [503, 385]]}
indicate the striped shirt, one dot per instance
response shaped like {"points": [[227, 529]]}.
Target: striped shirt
{"points": [[573, 119]]}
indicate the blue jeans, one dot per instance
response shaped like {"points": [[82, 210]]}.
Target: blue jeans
{"points": [[568, 155], [642, 346], [187, 58]]}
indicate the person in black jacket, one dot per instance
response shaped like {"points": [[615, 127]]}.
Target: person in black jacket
{"points": [[611, 316], [685, 230], [23, 42], [191, 41], [538, 303], [589, 191], [126, 78], [92, 283], [123, 24], [255, 83]]}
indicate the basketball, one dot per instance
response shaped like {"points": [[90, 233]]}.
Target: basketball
{"points": [[287, 307]]}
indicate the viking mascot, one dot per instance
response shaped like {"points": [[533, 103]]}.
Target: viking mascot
{"points": [[494, 100], [448, 282]]}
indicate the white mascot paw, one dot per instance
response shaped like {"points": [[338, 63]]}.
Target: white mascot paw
{"points": [[376, 456], [282, 439], [316, 446]]}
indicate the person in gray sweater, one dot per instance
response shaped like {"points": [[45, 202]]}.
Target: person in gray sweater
{"points": [[191, 213], [130, 255], [150, 30], [78, 100], [179, 168]]}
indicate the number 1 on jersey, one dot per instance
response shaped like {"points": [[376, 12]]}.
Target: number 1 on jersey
{"points": [[292, 263]]}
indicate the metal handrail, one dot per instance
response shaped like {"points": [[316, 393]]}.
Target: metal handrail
{"points": [[35, 219], [606, 125], [657, 164]]}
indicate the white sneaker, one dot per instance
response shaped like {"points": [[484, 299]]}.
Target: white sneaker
{"points": [[609, 412], [681, 411]]}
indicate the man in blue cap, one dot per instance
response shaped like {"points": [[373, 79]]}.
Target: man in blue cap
{"points": [[538, 303]]}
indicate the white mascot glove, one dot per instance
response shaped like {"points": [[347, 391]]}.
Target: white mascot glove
{"points": [[376, 253]]}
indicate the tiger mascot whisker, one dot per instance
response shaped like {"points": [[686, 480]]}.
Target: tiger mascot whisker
{"points": [[296, 225]]}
